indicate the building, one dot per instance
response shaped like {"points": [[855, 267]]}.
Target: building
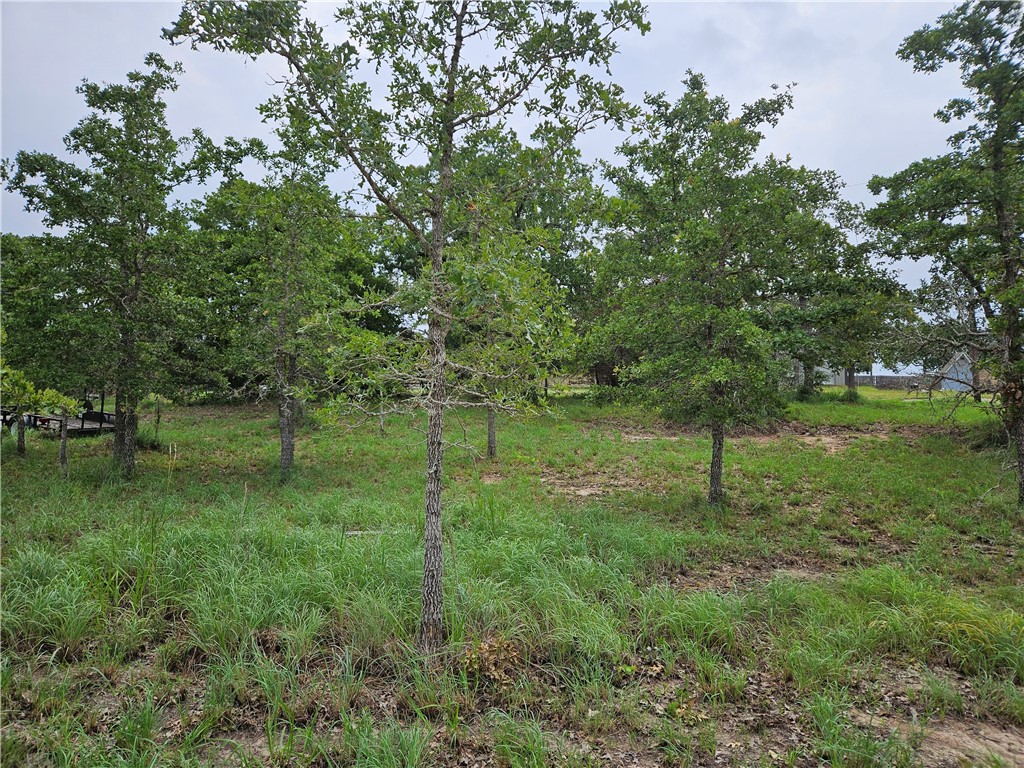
{"points": [[955, 375]]}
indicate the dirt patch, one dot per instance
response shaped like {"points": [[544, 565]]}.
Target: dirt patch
{"points": [[830, 444], [952, 742], [738, 575], [587, 484], [830, 438], [861, 534]]}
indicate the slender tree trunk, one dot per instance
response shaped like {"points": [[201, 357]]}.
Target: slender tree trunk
{"points": [[21, 434], [432, 635], [126, 407], [851, 380], [492, 434], [119, 407], [286, 426], [1019, 440], [716, 493], [126, 423], [64, 447], [807, 370], [156, 428]]}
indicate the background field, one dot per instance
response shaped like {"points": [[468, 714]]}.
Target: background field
{"points": [[858, 601]]}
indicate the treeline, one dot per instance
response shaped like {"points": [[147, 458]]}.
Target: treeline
{"points": [[470, 259]]}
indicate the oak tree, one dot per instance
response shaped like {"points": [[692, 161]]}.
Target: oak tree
{"points": [[450, 71], [964, 210], [122, 247]]}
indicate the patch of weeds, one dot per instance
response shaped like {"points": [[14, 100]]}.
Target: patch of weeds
{"points": [[845, 745], [519, 743], [590, 692], [134, 734], [494, 661], [434, 694], [347, 684], [712, 621], [938, 696], [675, 743], [301, 633], [389, 745], [999, 698], [14, 750], [720, 682]]}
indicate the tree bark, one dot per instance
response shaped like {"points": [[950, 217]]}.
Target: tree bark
{"points": [[851, 380], [21, 434], [286, 427], [492, 434], [432, 632], [118, 424], [807, 370], [716, 493], [64, 448], [1019, 439], [432, 635], [126, 427]]}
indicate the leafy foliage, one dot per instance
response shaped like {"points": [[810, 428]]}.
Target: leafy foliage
{"points": [[965, 210], [122, 252]]}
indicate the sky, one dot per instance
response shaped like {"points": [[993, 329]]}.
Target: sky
{"points": [[858, 110]]}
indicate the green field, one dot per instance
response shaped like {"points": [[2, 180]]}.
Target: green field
{"points": [[858, 601]]}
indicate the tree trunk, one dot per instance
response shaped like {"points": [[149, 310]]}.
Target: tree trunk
{"points": [[286, 426], [64, 448], [126, 425], [716, 494], [851, 380], [118, 424], [288, 406], [492, 434], [21, 434], [1019, 439], [156, 428], [432, 630], [432, 635], [806, 387]]}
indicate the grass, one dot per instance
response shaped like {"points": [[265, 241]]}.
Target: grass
{"points": [[206, 615]]}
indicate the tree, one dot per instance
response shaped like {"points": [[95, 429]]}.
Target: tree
{"points": [[524, 226], [20, 396], [965, 210], [444, 85], [280, 267], [122, 247], [48, 334], [53, 401], [834, 307], [155, 403], [698, 237]]}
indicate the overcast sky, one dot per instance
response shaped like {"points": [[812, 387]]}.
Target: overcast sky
{"points": [[859, 110]]}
